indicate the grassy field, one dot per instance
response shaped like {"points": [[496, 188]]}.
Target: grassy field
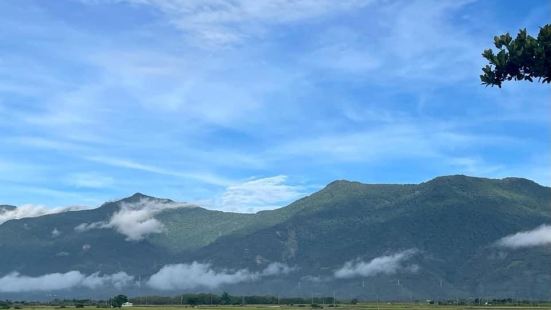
{"points": [[362, 306]]}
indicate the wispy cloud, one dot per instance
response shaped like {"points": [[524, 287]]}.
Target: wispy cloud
{"points": [[194, 275], [540, 236], [432, 139], [130, 164], [194, 96], [215, 23], [15, 282], [388, 264], [90, 180]]}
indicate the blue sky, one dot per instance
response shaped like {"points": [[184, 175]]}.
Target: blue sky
{"points": [[246, 105]]}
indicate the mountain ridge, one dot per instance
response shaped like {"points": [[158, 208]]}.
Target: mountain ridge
{"points": [[331, 185], [452, 222]]}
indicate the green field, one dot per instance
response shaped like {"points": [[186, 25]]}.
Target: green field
{"points": [[363, 306]]}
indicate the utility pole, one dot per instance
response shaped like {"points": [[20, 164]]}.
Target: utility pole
{"points": [[334, 299]]}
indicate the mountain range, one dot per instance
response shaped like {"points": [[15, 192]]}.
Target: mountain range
{"points": [[452, 236]]}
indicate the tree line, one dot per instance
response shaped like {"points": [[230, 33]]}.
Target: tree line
{"points": [[227, 299]]}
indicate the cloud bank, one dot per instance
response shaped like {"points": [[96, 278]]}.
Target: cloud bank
{"points": [[539, 236], [170, 277], [188, 276], [29, 210], [15, 282], [135, 220], [390, 264]]}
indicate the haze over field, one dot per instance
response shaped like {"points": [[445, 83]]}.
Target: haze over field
{"points": [[281, 147]]}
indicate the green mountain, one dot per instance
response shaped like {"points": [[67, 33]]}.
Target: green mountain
{"points": [[445, 230]]}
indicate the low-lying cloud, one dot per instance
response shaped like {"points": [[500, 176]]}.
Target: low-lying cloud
{"points": [[539, 236], [135, 220], [170, 277], [15, 282], [258, 194], [29, 210], [188, 276], [275, 269], [390, 264]]}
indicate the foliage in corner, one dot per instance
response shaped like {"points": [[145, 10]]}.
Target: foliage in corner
{"points": [[522, 58]]}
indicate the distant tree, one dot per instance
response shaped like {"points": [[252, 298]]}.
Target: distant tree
{"points": [[117, 301], [226, 298], [193, 300], [522, 58]]}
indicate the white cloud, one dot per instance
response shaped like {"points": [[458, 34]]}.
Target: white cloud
{"points": [[540, 236], [390, 264], [29, 210], [117, 280], [188, 276], [258, 194], [218, 23], [275, 269], [135, 224], [89, 226], [135, 220], [15, 282]]}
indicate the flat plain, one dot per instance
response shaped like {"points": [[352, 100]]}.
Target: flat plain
{"points": [[361, 306]]}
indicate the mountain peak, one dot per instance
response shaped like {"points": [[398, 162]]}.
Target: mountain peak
{"points": [[453, 178], [338, 183], [137, 197], [458, 180]]}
